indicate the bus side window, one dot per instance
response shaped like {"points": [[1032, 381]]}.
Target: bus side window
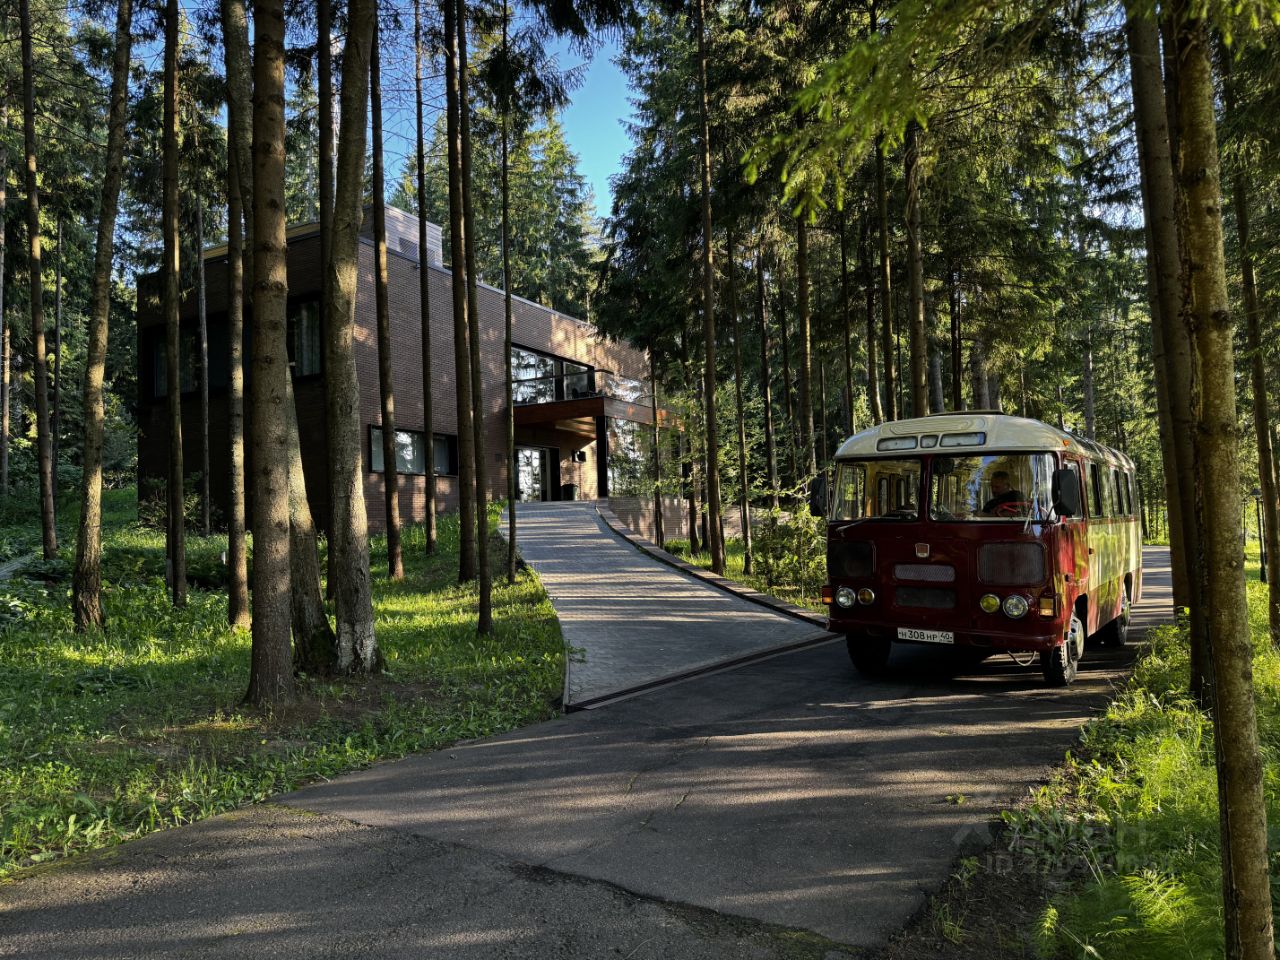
{"points": [[1095, 491], [1128, 494], [1074, 467]]}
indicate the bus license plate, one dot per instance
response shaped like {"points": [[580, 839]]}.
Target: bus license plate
{"points": [[926, 636]]}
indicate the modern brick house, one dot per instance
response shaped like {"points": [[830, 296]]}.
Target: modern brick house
{"points": [[577, 393]]}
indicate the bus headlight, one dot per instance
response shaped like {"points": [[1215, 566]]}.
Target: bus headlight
{"points": [[866, 596], [1015, 606], [989, 603], [845, 597]]}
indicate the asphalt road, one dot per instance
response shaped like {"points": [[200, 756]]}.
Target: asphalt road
{"points": [[703, 819]]}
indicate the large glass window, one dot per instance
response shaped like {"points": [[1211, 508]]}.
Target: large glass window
{"points": [[630, 458], [1013, 486], [533, 377], [305, 347], [577, 380], [411, 453], [877, 488]]}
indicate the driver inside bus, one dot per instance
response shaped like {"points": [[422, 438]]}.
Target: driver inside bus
{"points": [[1002, 493]]}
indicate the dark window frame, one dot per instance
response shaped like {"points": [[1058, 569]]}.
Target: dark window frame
{"points": [[374, 439]]}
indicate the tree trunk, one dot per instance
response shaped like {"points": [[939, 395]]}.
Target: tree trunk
{"points": [[424, 284], [714, 546], [957, 349], [48, 524], [4, 317], [86, 584], [177, 549], [915, 276], [869, 286], [458, 283], [744, 480], [509, 418], [658, 531], [1242, 806], [55, 381], [787, 400], [382, 305], [349, 538], [315, 649], [270, 668], [1258, 370], [846, 315], [770, 454], [937, 393], [1173, 359], [1090, 414], [978, 372], [202, 315], [886, 287], [808, 446], [484, 623], [324, 121], [235, 43]]}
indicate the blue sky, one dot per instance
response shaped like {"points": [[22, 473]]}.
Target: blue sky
{"points": [[593, 123]]}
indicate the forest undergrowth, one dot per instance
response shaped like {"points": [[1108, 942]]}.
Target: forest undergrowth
{"points": [[108, 736], [1131, 820]]}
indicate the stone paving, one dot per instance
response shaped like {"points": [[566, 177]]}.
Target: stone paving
{"points": [[630, 619]]}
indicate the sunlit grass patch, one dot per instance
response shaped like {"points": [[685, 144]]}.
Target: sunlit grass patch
{"points": [[1141, 807], [105, 736]]}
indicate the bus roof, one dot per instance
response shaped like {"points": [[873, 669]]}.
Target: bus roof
{"points": [[972, 432]]}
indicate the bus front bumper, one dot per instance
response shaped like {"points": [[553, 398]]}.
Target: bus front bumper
{"points": [[1043, 635]]}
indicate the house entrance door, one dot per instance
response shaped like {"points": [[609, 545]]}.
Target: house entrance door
{"points": [[533, 480]]}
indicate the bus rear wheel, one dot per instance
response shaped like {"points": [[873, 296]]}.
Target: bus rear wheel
{"points": [[870, 655], [1060, 664], [1116, 633]]}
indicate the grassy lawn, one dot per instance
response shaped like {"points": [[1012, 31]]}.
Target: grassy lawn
{"points": [[104, 737], [798, 586], [1133, 815]]}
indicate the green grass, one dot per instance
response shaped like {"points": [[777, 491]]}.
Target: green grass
{"points": [[1135, 813], [107, 736], [785, 585]]}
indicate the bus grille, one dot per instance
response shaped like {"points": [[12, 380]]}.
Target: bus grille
{"points": [[1011, 564], [927, 572], [854, 558], [930, 598]]}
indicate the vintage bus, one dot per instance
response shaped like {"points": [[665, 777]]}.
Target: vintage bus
{"points": [[983, 533]]}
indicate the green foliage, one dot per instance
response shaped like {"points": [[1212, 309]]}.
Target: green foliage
{"points": [[104, 737], [1139, 817]]}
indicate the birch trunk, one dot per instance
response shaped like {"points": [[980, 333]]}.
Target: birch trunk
{"points": [[766, 377], [886, 286], [808, 445], [918, 333], [869, 286], [744, 480]]}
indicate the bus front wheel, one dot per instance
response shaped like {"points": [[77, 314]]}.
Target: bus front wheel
{"points": [[1061, 663], [870, 655]]}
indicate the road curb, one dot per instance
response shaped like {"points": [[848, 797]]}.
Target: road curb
{"points": [[647, 546]]}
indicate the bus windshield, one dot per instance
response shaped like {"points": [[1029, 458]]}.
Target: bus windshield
{"points": [[877, 488], [1010, 486]]}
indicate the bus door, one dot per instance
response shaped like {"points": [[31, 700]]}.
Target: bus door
{"points": [[1073, 558]]}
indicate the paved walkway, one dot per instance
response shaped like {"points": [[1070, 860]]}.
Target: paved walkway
{"points": [[697, 821], [631, 619]]}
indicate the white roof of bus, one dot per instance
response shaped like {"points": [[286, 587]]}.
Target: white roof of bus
{"points": [[1002, 434]]}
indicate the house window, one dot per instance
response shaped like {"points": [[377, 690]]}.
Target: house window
{"points": [[305, 347], [411, 452], [533, 377], [186, 362]]}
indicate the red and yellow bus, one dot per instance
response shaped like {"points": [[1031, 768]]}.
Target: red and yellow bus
{"points": [[982, 532]]}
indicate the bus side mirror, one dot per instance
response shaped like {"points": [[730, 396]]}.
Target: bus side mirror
{"points": [[1066, 502], [818, 496]]}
